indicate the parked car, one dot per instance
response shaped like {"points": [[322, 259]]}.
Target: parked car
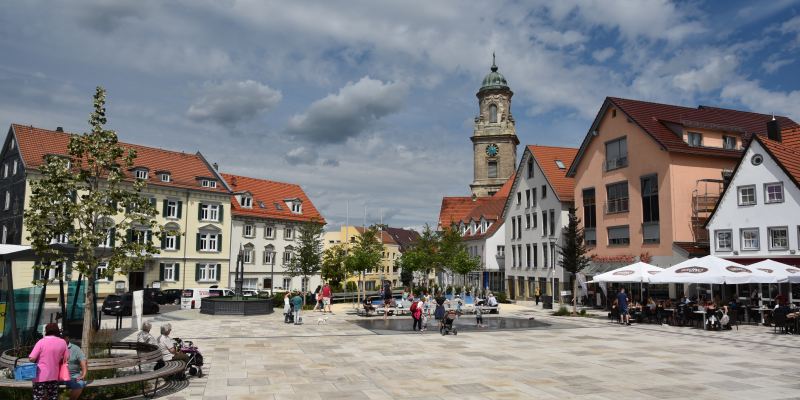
{"points": [[171, 296], [122, 304], [154, 294], [249, 293], [191, 298]]}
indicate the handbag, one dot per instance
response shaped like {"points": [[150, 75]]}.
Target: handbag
{"points": [[63, 371]]}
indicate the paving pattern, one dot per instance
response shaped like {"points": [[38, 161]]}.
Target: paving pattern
{"points": [[580, 358]]}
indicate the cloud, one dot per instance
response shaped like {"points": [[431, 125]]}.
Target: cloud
{"points": [[773, 65], [757, 98], [603, 54], [348, 113], [709, 76], [107, 16], [301, 155], [230, 103]]}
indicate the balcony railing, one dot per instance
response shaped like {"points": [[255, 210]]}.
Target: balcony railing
{"points": [[615, 163], [619, 205]]}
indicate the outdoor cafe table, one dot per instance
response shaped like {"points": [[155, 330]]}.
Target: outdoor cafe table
{"points": [[761, 310], [704, 316]]}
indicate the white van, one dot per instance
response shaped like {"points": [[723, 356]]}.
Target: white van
{"points": [[191, 297]]}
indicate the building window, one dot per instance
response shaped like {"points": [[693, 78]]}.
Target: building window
{"points": [[269, 232], [729, 142], [535, 218], [207, 273], [287, 282], [650, 199], [651, 232], [208, 183], [695, 139], [589, 216], [619, 236], [544, 223], [519, 198], [288, 255], [535, 255], [513, 228], [552, 222], [544, 191], [248, 255], [101, 271], [288, 233], [141, 174], [209, 241], [8, 200], [513, 256], [5, 170], [165, 177], [249, 230], [5, 234], [724, 240], [747, 195], [527, 198], [560, 164], [501, 251], [492, 113], [269, 256], [544, 255], [617, 196], [209, 212], [492, 167], [530, 168], [527, 221], [750, 239], [778, 238], [170, 242], [171, 209], [773, 193], [533, 197], [616, 154], [247, 202]]}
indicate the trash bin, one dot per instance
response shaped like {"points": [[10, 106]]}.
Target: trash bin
{"points": [[547, 302]]}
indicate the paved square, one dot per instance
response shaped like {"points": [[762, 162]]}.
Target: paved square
{"points": [[263, 358]]}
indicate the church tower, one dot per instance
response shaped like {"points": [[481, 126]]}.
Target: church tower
{"points": [[494, 138]]}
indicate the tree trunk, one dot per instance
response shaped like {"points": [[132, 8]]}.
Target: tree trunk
{"points": [[574, 294], [88, 316]]}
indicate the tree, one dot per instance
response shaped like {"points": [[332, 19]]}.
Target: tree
{"points": [[406, 274], [86, 196], [423, 255], [462, 263], [307, 257], [366, 254], [573, 254], [333, 268]]}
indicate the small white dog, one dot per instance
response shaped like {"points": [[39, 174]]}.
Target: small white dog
{"points": [[322, 321]]}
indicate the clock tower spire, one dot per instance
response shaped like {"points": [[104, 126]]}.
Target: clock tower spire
{"points": [[494, 137]]}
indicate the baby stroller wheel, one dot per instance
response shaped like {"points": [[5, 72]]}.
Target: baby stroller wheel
{"points": [[193, 370]]}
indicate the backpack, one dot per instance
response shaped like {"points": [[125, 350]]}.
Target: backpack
{"points": [[413, 308]]}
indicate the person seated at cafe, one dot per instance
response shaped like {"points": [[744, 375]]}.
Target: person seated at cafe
{"points": [[368, 306], [712, 321]]}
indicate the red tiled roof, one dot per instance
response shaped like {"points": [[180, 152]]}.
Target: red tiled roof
{"points": [[454, 209], [403, 237], [386, 238], [36, 143], [786, 152], [269, 193], [547, 156], [652, 117]]}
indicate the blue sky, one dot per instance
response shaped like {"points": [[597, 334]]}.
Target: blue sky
{"points": [[372, 102]]}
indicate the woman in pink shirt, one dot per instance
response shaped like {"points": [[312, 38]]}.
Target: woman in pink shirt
{"points": [[48, 354]]}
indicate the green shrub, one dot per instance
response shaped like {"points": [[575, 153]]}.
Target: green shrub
{"points": [[351, 286], [583, 312], [562, 311], [501, 297]]}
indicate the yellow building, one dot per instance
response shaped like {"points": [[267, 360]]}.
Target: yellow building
{"points": [[187, 192], [391, 254]]}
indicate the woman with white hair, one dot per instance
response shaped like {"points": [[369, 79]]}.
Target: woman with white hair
{"points": [[167, 345], [145, 336]]}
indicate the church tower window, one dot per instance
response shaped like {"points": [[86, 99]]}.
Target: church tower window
{"points": [[492, 169], [493, 113]]}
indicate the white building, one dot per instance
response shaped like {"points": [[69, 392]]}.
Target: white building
{"points": [[266, 217], [758, 215], [536, 211]]}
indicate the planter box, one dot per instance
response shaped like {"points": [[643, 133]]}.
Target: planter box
{"points": [[213, 306]]}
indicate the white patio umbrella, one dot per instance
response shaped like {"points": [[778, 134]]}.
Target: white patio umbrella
{"points": [[638, 272], [712, 270], [784, 272]]}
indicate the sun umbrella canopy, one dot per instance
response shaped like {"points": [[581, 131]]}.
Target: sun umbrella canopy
{"points": [[638, 272], [784, 272], [712, 270]]}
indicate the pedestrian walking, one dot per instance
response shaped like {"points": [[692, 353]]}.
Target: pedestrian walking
{"points": [[416, 315], [439, 313], [287, 308], [537, 294], [479, 316], [318, 298], [326, 298], [297, 303], [387, 298]]}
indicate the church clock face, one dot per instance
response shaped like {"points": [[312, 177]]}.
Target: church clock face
{"points": [[492, 150]]}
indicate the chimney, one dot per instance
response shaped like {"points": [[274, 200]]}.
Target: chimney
{"points": [[216, 166], [59, 129], [773, 130]]}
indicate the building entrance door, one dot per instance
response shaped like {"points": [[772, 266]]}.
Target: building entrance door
{"points": [[267, 284], [135, 280]]}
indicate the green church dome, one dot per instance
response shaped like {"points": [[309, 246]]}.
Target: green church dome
{"points": [[494, 79]]}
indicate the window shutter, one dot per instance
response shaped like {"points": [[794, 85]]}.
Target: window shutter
{"points": [[148, 237], [180, 208], [163, 241], [164, 209], [153, 203], [219, 242], [177, 242], [244, 230], [200, 211], [113, 236], [177, 272], [198, 242], [219, 272], [161, 271], [197, 272], [221, 212], [129, 236]]}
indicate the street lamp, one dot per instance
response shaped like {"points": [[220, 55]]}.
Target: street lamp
{"points": [[552, 241], [239, 279]]}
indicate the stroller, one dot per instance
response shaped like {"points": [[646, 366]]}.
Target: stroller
{"points": [[194, 362], [447, 323]]}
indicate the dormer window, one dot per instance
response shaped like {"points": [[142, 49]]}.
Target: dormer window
{"points": [[165, 177], [247, 201], [560, 164], [13, 144], [140, 174], [295, 205], [208, 183]]}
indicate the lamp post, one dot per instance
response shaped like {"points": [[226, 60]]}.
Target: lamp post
{"points": [[552, 241], [239, 279]]}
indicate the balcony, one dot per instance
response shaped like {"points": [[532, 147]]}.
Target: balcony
{"points": [[616, 206]]}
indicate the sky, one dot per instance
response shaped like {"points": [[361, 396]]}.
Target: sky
{"points": [[371, 104]]}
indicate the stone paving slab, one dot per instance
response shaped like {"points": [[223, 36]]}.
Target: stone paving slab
{"points": [[586, 358]]}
